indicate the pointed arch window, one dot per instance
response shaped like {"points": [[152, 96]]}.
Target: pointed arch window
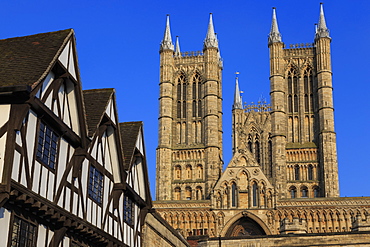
{"points": [[254, 195], [194, 108], [233, 195], [257, 151], [181, 96], [270, 155]]}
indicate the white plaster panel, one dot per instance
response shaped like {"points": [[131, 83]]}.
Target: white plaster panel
{"points": [[75, 203], [49, 100], [4, 116], [50, 195], [94, 209], [36, 178], [140, 144], [2, 154], [18, 138], [31, 133], [4, 224], [47, 82], [88, 209], [63, 58], [73, 108], [62, 159], [44, 177], [67, 202], [41, 235], [71, 65], [61, 101], [16, 166]]}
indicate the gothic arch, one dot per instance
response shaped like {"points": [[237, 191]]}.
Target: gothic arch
{"points": [[247, 219]]}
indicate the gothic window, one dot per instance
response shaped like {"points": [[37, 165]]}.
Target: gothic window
{"points": [[194, 108], [95, 188], [184, 109], [270, 155], [250, 145], [295, 84], [188, 193], [200, 171], [188, 172], [179, 89], [23, 233], [290, 91], [128, 210], [296, 103], [257, 151], [310, 172], [179, 109], [304, 192], [177, 172], [233, 195], [198, 193], [254, 195], [290, 104], [177, 193], [47, 146], [296, 172], [199, 108], [293, 192], [194, 90], [306, 103], [316, 192]]}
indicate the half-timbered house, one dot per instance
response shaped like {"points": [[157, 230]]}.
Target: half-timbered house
{"points": [[70, 173]]}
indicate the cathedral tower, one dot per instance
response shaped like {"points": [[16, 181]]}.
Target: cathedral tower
{"points": [[303, 137], [189, 153]]}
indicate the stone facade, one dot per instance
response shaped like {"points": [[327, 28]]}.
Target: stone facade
{"points": [[283, 176]]}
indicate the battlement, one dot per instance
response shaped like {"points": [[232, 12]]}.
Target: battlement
{"points": [[299, 50], [261, 106]]}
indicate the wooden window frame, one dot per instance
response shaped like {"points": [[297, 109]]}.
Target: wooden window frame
{"points": [[96, 184], [47, 146], [22, 237]]}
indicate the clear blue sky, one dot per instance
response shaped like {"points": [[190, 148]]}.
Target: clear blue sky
{"points": [[118, 43]]}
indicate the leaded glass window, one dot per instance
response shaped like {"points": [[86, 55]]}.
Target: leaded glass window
{"points": [[23, 233], [128, 211], [95, 189], [47, 146]]}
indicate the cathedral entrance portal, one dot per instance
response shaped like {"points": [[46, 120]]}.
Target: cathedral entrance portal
{"points": [[245, 226]]}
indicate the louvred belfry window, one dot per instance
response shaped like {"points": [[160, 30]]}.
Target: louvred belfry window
{"points": [[47, 146]]}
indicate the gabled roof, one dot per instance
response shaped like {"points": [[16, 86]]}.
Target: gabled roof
{"points": [[26, 60], [129, 133], [95, 102]]}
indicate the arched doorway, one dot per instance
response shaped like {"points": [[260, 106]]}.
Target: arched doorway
{"points": [[245, 226]]}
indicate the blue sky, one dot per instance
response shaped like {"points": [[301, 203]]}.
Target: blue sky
{"points": [[118, 44]]}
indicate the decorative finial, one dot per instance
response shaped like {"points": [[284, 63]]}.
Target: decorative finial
{"points": [[274, 35], [237, 97], [211, 40], [166, 43], [177, 50], [322, 31]]}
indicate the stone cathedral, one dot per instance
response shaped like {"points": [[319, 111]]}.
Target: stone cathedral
{"points": [[283, 176]]}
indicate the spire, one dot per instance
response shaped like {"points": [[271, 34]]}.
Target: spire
{"points": [[166, 43], [177, 50], [237, 97], [274, 35], [322, 31], [211, 40]]}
